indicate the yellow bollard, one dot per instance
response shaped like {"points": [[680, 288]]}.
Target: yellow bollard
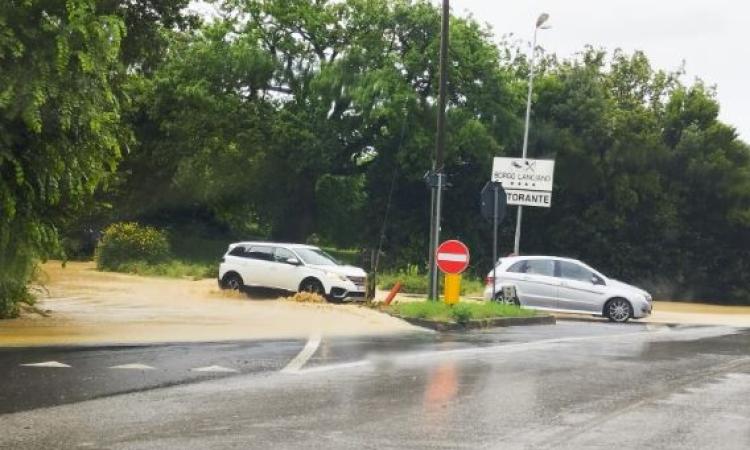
{"points": [[452, 288]]}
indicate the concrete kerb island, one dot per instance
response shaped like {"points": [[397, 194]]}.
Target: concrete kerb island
{"points": [[479, 323]]}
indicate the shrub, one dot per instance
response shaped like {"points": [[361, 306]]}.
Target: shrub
{"points": [[413, 281], [462, 313], [12, 294], [126, 242]]}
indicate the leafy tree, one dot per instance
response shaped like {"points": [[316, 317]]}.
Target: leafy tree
{"points": [[290, 118], [643, 177], [59, 122]]}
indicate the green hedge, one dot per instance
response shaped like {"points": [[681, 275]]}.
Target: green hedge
{"points": [[127, 242]]}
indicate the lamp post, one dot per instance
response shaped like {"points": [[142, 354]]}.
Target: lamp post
{"points": [[540, 21]]}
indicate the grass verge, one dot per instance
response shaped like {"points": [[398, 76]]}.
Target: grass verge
{"points": [[414, 282], [173, 268], [461, 312]]}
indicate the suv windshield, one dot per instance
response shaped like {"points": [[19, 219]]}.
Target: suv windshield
{"points": [[316, 257]]}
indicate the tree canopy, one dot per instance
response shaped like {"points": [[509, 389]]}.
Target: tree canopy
{"points": [[301, 120]]}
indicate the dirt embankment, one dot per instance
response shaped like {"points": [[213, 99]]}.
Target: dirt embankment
{"points": [[91, 307]]}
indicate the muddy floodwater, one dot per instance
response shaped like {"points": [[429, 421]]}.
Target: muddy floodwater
{"points": [[85, 306]]}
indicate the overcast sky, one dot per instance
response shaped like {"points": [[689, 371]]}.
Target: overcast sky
{"points": [[712, 37]]}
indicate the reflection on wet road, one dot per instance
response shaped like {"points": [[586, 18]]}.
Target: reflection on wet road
{"points": [[573, 385]]}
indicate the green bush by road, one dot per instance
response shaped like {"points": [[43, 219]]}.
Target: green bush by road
{"points": [[143, 250], [127, 242], [12, 295]]}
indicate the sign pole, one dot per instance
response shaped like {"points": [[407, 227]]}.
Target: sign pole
{"points": [[494, 242], [438, 164], [517, 240], [432, 270], [436, 239], [452, 288]]}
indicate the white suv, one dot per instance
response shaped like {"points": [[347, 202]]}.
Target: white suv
{"points": [[290, 267], [567, 285]]}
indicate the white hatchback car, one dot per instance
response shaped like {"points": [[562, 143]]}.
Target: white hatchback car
{"points": [[290, 267], [566, 285]]}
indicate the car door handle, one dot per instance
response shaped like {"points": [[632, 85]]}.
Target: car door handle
{"points": [[562, 283]]}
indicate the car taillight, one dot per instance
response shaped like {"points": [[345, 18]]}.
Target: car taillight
{"points": [[488, 281]]}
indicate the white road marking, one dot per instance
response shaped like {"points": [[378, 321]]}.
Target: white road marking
{"points": [[46, 364], [296, 364], [457, 257], [213, 369], [135, 366]]}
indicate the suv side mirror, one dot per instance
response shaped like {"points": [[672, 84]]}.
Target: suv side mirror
{"points": [[293, 261], [597, 281]]}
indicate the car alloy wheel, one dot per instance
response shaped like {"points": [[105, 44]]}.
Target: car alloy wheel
{"points": [[507, 301], [233, 282], [313, 287], [619, 310]]}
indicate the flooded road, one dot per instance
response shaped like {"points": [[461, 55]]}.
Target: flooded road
{"points": [[86, 307], [572, 385]]}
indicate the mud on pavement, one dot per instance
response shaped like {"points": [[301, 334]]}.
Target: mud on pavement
{"points": [[85, 306]]}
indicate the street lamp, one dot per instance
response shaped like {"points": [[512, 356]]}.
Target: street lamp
{"points": [[540, 24]]}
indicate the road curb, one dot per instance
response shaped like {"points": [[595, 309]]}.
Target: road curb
{"points": [[479, 323]]}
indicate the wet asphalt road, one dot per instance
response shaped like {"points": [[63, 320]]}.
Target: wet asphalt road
{"points": [[572, 385]]}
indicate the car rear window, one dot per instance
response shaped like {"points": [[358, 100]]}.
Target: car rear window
{"points": [[238, 251]]}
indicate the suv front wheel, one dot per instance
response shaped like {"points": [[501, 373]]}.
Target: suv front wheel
{"points": [[313, 286], [232, 281]]}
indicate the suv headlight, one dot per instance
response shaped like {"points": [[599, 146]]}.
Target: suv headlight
{"points": [[336, 276]]}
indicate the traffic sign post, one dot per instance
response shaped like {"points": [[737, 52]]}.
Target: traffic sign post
{"points": [[494, 204], [452, 288], [452, 258]]}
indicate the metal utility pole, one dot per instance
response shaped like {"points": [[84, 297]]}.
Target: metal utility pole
{"points": [[539, 25], [437, 177]]}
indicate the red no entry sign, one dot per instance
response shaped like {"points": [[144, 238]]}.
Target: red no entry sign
{"points": [[452, 256]]}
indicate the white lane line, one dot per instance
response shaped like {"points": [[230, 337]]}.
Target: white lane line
{"points": [[296, 364], [133, 367], [213, 369], [46, 364]]}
